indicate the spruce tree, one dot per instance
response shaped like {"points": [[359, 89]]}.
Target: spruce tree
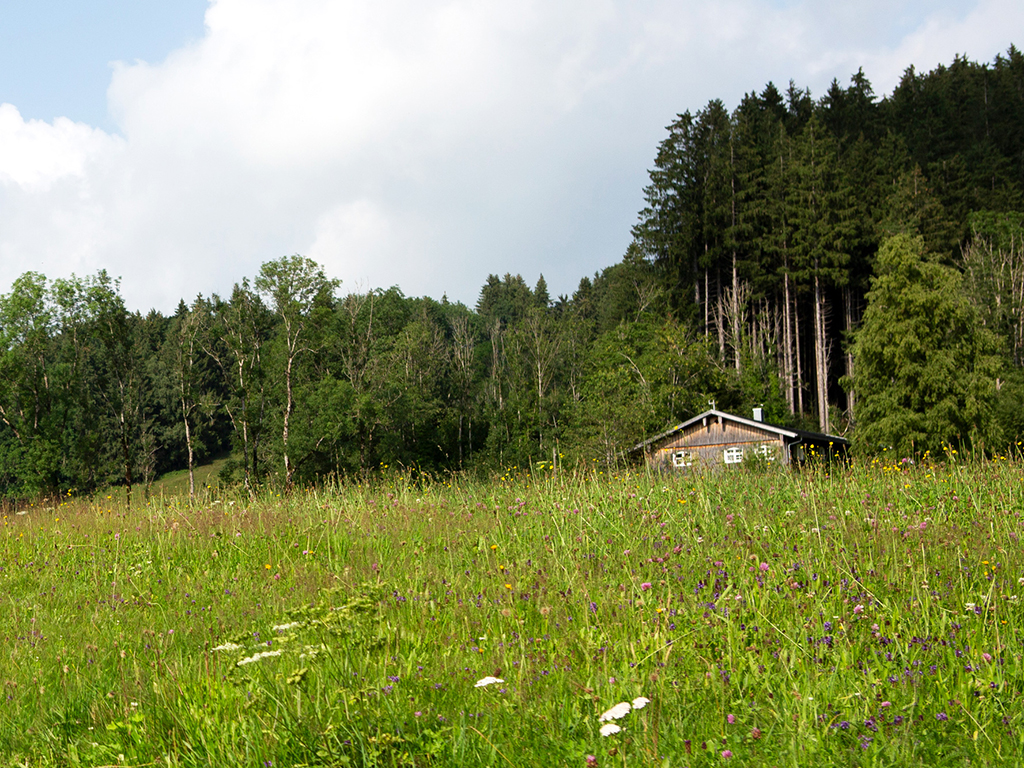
{"points": [[926, 368]]}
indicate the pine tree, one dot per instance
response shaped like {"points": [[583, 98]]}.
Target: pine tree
{"points": [[926, 368]]}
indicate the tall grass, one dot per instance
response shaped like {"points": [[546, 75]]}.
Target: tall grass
{"points": [[868, 615]]}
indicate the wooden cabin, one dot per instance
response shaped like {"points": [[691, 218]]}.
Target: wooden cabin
{"points": [[715, 438]]}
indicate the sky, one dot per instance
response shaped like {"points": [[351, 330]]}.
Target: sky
{"points": [[424, 144]]}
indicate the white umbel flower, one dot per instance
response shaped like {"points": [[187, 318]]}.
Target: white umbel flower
{"points": [[617, 712], [257, 657], [640, 702], [609, 728], [483, 682]]}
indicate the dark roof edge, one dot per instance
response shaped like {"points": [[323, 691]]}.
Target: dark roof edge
{"points": [[791, 433]]}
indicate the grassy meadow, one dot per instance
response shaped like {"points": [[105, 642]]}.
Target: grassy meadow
{"points": [[867, 615]]}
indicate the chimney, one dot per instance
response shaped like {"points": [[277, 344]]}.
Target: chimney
{"points": [[759, 414]]}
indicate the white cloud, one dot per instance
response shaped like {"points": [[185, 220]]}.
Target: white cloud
{"points": [[35, 154], [419, 143]]}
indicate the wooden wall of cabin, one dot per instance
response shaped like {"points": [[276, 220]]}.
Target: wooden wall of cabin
{"points": [[709, 442]]}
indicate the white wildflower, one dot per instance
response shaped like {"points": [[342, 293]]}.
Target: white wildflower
{"points": [[228, 647], [286, 627], [485, 681], [617, 712], [609, 728], [257, 657], [640, 702]]}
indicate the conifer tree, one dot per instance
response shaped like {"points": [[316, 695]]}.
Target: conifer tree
{"points": [[926, 368]]}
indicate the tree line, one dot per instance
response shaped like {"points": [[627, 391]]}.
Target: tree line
{"points": [[768, 226], [852, 264]]}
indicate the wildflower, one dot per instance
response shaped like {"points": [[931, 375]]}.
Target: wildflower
{"points": [[730, 719], [858, 609], [228, 647], [755, 733], [942, 717], [640, 702], [609, 728], [764, 567], [617, 712], [591, 761], [483, 682], [726, 753], [257, 657], [286, 627], [645, 586]]}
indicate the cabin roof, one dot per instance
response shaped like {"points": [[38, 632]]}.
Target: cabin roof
{"points": [[791, 434]]}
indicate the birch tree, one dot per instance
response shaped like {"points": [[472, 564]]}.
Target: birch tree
{"points": [[299, 293]]}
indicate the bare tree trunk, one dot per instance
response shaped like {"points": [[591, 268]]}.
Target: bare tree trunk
{"points": [[289, 470], [696, 288], [733, 317], [735, 273], [707, 308], [849, 323], [126, 453], [736, 319], [820, 355], [720, 314], [191, 457], [787, 344], [799, 360]]}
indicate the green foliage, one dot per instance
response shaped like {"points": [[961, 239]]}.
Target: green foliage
{"points": [[926, 369], [641, 378], [745, 283]]}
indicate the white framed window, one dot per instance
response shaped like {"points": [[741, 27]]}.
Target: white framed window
{"points": [[682, 458], [765, 451], [733, 455]]}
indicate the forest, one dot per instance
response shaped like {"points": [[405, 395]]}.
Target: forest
{"points": [[851, 263]]}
